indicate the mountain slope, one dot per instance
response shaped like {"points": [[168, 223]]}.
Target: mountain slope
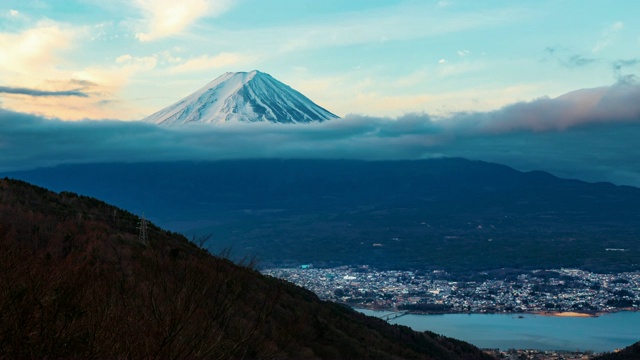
{"points": [[438, 213], [242, 96], [631, 352], [76, 281]]}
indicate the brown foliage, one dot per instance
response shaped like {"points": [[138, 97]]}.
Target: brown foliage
{"points": [[75, 282]]}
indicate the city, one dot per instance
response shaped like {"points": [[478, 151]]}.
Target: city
{"points": [[568, 292]]}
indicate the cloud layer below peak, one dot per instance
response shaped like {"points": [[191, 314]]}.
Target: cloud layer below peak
{"points": [[588, 134]]}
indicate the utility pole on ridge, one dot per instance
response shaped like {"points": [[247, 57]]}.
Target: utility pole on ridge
{"points": [[142, 236]]}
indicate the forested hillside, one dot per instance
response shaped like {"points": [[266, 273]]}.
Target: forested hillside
{"points": [[451, 214], [76, 280]]}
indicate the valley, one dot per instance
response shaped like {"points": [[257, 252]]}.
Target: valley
{"points": [[455, 215]]}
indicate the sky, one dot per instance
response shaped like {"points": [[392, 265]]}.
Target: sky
{"points": [[125, 59], [537, 85]]}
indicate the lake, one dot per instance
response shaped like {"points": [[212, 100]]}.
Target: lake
{"points": [[505, 331]]}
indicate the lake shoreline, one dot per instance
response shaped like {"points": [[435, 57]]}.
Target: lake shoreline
{"points": [[528, 330], [578, 314], [569, 314]]}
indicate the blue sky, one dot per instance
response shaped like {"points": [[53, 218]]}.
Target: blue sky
{"points": [[370, 57]]}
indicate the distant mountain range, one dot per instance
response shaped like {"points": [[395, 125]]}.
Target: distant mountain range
{"points": [[242, 96], [454, 214]]}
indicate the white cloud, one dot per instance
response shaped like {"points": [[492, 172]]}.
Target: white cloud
{"points": [[170, 58], [144, 63], [14, 13], [608, 36], [413, 20], [124, 59], [35, 50], [617, 26], [163, 18], [206, 62]]}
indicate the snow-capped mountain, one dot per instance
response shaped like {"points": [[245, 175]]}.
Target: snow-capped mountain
{"points": [[242, 96]]}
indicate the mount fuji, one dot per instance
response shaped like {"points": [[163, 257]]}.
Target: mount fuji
{"points": [[242, 96]]}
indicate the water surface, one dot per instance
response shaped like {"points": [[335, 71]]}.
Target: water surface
{"points": [[505, 331]]}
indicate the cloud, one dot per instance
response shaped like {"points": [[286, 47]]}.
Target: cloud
{"points": [[608, 36], [36, 49], [411, 20], [164, 18], [206, 62], [589, 134], [34, 92], [90, 87], [38, 61], [576, 61], [619, 66], [617, 103], [51, 56], [566, 59], [143, 63]]}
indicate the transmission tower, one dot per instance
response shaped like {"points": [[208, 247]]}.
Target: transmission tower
{"points": [[142, 237]]}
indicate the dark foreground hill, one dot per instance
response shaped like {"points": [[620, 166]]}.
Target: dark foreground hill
{"points": [[629, 353], [454, 214], [77, 281]]}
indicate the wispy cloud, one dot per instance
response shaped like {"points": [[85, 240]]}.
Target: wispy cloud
{"points": [[619, 67], [35, 92], [566, 59], [164, 18], [608, 36], [206, 62], [405, 22], [576, 61]]}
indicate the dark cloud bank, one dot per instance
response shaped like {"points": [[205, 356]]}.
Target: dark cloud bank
{"points": [[35, 92], [590, 134]]}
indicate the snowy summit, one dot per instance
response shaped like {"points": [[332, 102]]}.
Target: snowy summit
{"points": [[242, 96]]}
